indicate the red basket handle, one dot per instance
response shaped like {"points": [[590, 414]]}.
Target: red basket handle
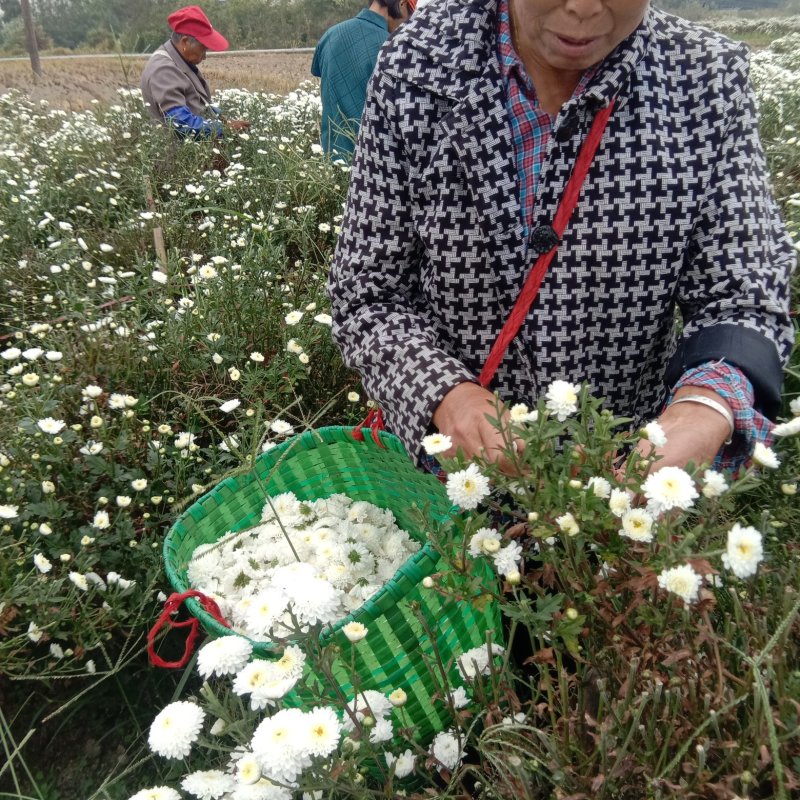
{"points": [[374, 422], [173, 603]]}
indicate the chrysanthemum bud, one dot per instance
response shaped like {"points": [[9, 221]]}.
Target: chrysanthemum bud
{"points": [[789, 489], [572, 613], [398, 698], [427, 582], [514, 578]]}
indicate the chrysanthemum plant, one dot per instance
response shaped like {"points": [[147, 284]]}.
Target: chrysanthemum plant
{"points": [[651, 614]]}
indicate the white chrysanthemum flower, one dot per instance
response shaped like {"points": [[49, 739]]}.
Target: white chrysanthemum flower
{"points": [[101, 520], [654, 433], [600, 487], [568, 524], [140, 484], [281, 427], [324, 319], [475, 662], [506, 560], [520, 414], [714, 483], [794, 406], [323, 731], [266, 609], [744, 551], [224, 656], [561, 399], [293, 317], [8, 511], [381, 731], [468, 487], [670, 487], [230, 405], [459, 697], [682, 581], [123, 500], [32, 353], [210, 784], [248, 770], [52, 426], [790, 428], [159, 277], [79, 580], [11, 354], [355, 631], [275, 745], [403, 764], [485, 541], [446, 751], [41, 563], [35, 633], [156, 793], [435, 443], [619, 502], [175, 729], [207, 272], [637, 524], [765, 456], [291, 663], [116, 401]]}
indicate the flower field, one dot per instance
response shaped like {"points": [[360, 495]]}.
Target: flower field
{"points": [[162, 325]]}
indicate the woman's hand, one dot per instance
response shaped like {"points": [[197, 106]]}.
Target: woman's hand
{"points": [[464, 416], [693, 431]]}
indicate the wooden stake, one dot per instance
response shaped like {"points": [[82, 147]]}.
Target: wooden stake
{"points": [[30, 37], [158, 232]]}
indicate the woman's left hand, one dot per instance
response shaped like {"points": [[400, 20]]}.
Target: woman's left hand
{"points": [[694, 432]]}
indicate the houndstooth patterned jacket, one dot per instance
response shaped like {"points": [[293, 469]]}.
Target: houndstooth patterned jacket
{"points": [[675, 213]]}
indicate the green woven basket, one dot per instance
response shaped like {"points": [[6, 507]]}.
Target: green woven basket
{"points": [[397, 652]]}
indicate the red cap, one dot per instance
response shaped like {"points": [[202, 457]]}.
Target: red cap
{"points": [[191, 21]]}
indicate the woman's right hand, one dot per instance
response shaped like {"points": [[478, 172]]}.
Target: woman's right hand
{"points": [[463, 416]]}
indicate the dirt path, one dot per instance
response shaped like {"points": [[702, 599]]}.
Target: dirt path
{"points": [[73, 83]]}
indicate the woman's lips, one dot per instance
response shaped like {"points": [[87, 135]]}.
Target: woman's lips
{"points": [[574, 46]]}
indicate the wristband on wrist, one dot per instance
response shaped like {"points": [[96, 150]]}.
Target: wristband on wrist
{"points": [[709, 403]]}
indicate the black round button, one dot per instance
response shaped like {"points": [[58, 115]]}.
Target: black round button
{"points": [[543, 239], [566, 130]]}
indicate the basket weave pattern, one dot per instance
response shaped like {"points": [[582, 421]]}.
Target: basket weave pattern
{"points": [[397, 653]]}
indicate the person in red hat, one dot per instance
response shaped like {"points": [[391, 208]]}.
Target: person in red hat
{"points": [[173, 88]]}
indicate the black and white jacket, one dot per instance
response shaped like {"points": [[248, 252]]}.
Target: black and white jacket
{"points": [[675, 213]]}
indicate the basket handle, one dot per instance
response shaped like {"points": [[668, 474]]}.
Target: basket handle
{"points": [[374, 422], [173, 603]]}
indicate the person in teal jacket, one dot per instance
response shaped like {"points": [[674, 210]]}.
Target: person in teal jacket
{"points": [[344, 60]]}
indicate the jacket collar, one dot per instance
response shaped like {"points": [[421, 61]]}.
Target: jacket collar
{"points": [[373, 18], [193, 74]]}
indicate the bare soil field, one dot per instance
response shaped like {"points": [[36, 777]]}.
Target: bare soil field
{"points": [[73, 83]]}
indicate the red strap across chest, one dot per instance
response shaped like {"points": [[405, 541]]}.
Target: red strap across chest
{"points": [[534, 280]]}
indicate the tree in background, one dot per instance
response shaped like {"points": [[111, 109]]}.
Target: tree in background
{"points": [[141, 26]]}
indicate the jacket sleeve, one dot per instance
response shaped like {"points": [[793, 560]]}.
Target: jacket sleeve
{"points": [[188, 124], [380, 318], [734, 289]]}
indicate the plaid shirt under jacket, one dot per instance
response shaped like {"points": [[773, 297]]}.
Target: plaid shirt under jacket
{"points": [[675, 212]]}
